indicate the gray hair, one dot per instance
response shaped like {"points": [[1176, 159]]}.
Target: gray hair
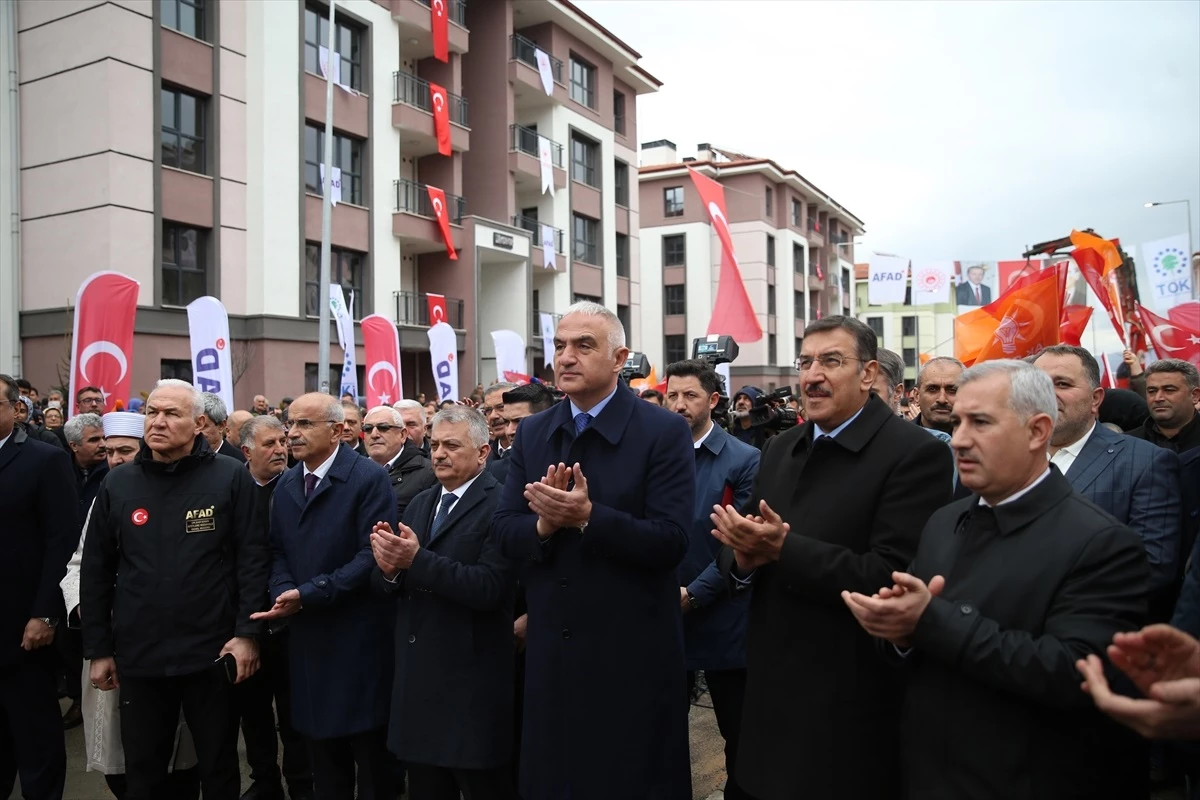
{"points": [[175, 383], [892, 367], [214, 408], [248, 435], [477, 427], [408, 405], [616, 331], [332, 407], [1030, 391], [396, 418], [1191, 375], [503, 386], [74, 427], [938, 360]]}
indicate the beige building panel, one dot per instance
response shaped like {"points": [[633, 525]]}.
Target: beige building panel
{"points": [[90, 36], [31, 13], [233, 269], [143, 7], [233, 27], [233, 74], [233, 204], [233, 140], [59, 252], [86, 183]]}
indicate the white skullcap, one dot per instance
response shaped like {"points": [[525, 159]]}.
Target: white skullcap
{"points": [[124, 423]]}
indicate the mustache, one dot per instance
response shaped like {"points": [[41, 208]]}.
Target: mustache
{"points": [[817, 392]]}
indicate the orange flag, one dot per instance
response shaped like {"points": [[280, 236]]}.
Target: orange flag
{"points": [[642, 384], [1020, 322], [923, 358], [1107, 250]]}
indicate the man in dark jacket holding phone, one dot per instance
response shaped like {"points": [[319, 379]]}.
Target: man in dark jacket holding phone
{"points": [[174, 566]]}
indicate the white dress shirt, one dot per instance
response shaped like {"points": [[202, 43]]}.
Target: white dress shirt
{"points": [[696, 444], [323, 469], [1066, 456], [458, 493]]}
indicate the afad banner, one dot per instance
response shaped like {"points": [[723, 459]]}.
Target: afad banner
{"points": [[212, 367], [443, 354]]}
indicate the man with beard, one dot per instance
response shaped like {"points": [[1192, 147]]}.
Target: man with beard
{"points": [[937, 384], [714, 621], [741, 427], [409, 472], [493, 410], [1172, 390]]}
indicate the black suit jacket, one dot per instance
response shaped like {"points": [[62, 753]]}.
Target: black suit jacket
{"points": [[815, 684], [994, 708], [965, 294], [226, 449], [410, 474], [452, 699], [38, 533]]}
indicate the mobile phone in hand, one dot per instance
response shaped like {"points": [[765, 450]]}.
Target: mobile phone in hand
{"points": [[227, 666]]}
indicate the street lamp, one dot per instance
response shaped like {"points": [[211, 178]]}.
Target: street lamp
{"points": [[1191, 250]]}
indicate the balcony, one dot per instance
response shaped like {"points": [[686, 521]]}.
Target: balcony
{"points": [[526, 79], [412, 114], [815, 237], [535, 326], [535, 230], [414, 220], [412, 309], [525, 164], [414, 18]]}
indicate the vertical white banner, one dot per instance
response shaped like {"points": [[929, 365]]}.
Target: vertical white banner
{"points": [[888, 279], [212, 362], [544, 156], [344, 324], [325, 63], [443, 354], [510, 355], [931, 282], [549, 261], [1166, 273], [543, 62], [547, 338], [335, 184]]}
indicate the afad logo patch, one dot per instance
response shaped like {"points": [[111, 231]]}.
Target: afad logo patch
{"points": [[139, 517]]}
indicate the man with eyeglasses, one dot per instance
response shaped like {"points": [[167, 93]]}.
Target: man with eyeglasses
{"points": [[839, 503], [409, 471], [493, 410], [89, 400]]}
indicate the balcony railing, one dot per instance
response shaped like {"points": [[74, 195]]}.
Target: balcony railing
{"points": [[535, 228], [413, 91], [458, 10], [525, 140], [412, 308], [535, 325], [523, 50], [413, 198], [814, 227]]}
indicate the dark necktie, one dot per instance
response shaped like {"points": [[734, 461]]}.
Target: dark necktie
{"points": [[310, 483], [443, 511], [581, 421]]}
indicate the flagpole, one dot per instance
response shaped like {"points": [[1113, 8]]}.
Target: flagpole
{"points": [[326, 219]]}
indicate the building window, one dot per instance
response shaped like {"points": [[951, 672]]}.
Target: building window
{"points": [[584, 298], [771, 300], [179, 369], [797, 258], [184, 271], [347, 156], [185, 16], [583, 82], [583, 160], [908, 326], [876, 324], [312, 384], [618, 113], [675, 250], [621, 183], [772, 349], [910, 356], [770, 250], [347, 42], [345, 268], [674, 300], [585, 238], [673, 201], [674, 348], [770, 201], [796, 213], [798, 308], [182, 130], [622, 256]]}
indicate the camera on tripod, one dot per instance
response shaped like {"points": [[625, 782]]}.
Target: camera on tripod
{"points": [[717, 349], [636, 366]]}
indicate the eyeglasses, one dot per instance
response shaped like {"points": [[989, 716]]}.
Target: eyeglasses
{"points": [[308, 424], [830, 361], [90, 401], [383, 427]]}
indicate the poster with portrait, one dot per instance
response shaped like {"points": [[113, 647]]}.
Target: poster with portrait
{"points": [[977, 282]]}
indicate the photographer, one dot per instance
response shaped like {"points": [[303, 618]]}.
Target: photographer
{"points": [[757, 416]]}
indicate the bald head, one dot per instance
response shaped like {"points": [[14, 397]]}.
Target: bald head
{"points": [[233, 430]]}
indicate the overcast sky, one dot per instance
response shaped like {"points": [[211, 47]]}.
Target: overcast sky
{"points": [[962, 130]]}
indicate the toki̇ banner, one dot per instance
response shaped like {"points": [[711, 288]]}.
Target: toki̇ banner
{"points": [[212, 362], [344, 324], [102, 337]]}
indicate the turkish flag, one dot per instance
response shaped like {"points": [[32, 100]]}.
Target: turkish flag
{"points": [[1091, 266], [441, 30], [1186, 314], [381, 343], [1170, 338], [1020, 322], [441, 117], [102, 337], [515, 377], [1074, 320], [438, 198], [733, 313], [437, 308]]}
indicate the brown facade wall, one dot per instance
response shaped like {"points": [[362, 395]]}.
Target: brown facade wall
{"points": [[186, 62], [650, 207], [351, 113], [585, 200], [485, 85], [587, 280], [187, 197], [350, 226]]}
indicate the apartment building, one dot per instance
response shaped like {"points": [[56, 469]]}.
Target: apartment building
{"points": [[905, 329], [181, 141], [794, 244]]}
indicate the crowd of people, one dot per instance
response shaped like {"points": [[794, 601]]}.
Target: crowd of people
{"points": [[985, 587]]}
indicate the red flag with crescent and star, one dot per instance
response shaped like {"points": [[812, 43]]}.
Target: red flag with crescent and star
{"points": [[437, 198], [1074, 320], [381, 344], [437, 308], [440, 24], [1170, 338], [1091, 267], [733, 314], [102, 337], [441, 117], [1020, 322]]}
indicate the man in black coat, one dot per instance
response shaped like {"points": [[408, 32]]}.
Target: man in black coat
{"points": [[453, 693], [38, 534], [1009, 588], [1172, 390], [409, 471], [838, 502]]}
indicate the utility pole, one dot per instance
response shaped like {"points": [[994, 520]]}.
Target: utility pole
{"points": [[326, 217]]}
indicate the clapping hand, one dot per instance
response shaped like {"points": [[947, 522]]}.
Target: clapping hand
{"points": [[393, 552], [893, 612], [557, 506], [755, 540], [286, 605]]}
